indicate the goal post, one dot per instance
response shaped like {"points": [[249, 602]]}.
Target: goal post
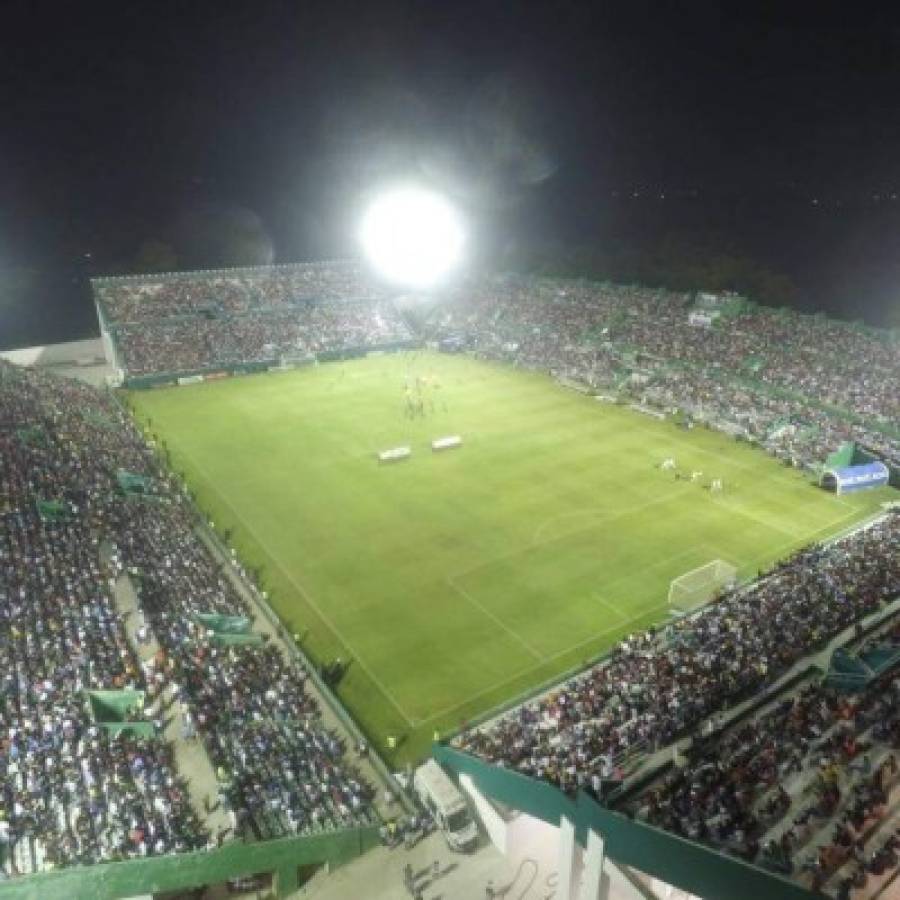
{"points": [[700, 585]]}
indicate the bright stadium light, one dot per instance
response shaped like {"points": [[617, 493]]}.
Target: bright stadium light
{"points": [[412, 236]]}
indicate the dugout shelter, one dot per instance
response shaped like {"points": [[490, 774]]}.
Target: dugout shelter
{"points": [[847, 479]]}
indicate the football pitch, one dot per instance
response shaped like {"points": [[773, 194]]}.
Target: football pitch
{"points": [[454, 581]]}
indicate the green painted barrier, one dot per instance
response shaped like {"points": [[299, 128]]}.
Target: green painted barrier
{"points": [[32, 435], [132, 483], [842, 457], [53, 510], [222, 624], [114, 710], [692, 867], [114, 706], [109, 881], [226, 639], [855, 672]]}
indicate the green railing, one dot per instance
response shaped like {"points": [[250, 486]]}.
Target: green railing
{"points": [[129, 878]]}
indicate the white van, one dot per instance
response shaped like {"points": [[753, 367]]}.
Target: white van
{"points": [[441, 797]]}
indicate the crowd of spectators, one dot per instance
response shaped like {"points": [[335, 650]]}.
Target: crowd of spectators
{"points": [[301, 331], [803, 788], [151, 298], [657, 686], [282, 771], [800, 385], [186, 323], [70, 793], [71, 790]]}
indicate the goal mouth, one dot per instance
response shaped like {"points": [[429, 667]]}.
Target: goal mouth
{"points": [[697, 587]]}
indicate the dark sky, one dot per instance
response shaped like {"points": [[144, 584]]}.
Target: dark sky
{"points": [[777, 125]]}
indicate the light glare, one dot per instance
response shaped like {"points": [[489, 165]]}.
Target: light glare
{"points": [[412, 236]]}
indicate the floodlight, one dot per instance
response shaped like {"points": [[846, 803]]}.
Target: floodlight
{"points": [[412, 236]]}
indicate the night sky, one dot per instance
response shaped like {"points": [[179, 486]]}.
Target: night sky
{"points": [[776, 128]]}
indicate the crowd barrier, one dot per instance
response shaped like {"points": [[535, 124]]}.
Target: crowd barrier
{"points": [[180, 872]]}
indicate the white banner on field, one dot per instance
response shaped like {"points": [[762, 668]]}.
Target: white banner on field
{"points": [[395, 454], [447, 443]]}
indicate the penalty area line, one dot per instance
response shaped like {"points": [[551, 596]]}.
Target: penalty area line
{"points": [[638, 612], [597, 598], [520, 640], [548, 659]]}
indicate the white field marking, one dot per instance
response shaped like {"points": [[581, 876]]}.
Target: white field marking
{"points": [[642, 611], [686, 443], [605, 603], [806, 540], [520, 640], [481, 693], [547, 659], [660, 563], [540, 543], [536, 538], [759, 520], [724, 457], [308, 598]]}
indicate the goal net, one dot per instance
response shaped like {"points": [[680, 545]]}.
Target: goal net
{"points": [[700, 585]]}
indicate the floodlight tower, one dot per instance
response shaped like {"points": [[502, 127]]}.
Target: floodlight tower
{"points": [[412, 236]]}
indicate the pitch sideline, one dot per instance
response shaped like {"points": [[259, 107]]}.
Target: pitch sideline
{"points": [[306, 596]]}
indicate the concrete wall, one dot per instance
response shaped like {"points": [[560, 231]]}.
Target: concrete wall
{"points": [[494, 824], [70, 352]]}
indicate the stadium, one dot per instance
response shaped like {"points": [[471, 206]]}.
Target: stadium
{"points": [[623, 561]]}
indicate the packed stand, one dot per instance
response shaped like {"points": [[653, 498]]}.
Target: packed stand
{"points": [[189, 345], [807, 788], [280, 770], [153, 298], [658, 686], [72, 793], [185, 323], [799, 385]]}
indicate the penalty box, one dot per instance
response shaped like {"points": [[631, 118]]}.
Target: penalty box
{"points": [[555, 594]]}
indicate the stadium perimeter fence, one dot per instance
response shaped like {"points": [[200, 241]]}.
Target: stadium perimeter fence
{"points": [[309, 666]]}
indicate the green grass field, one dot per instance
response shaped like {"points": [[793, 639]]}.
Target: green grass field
{"points": [[454, 581]]}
